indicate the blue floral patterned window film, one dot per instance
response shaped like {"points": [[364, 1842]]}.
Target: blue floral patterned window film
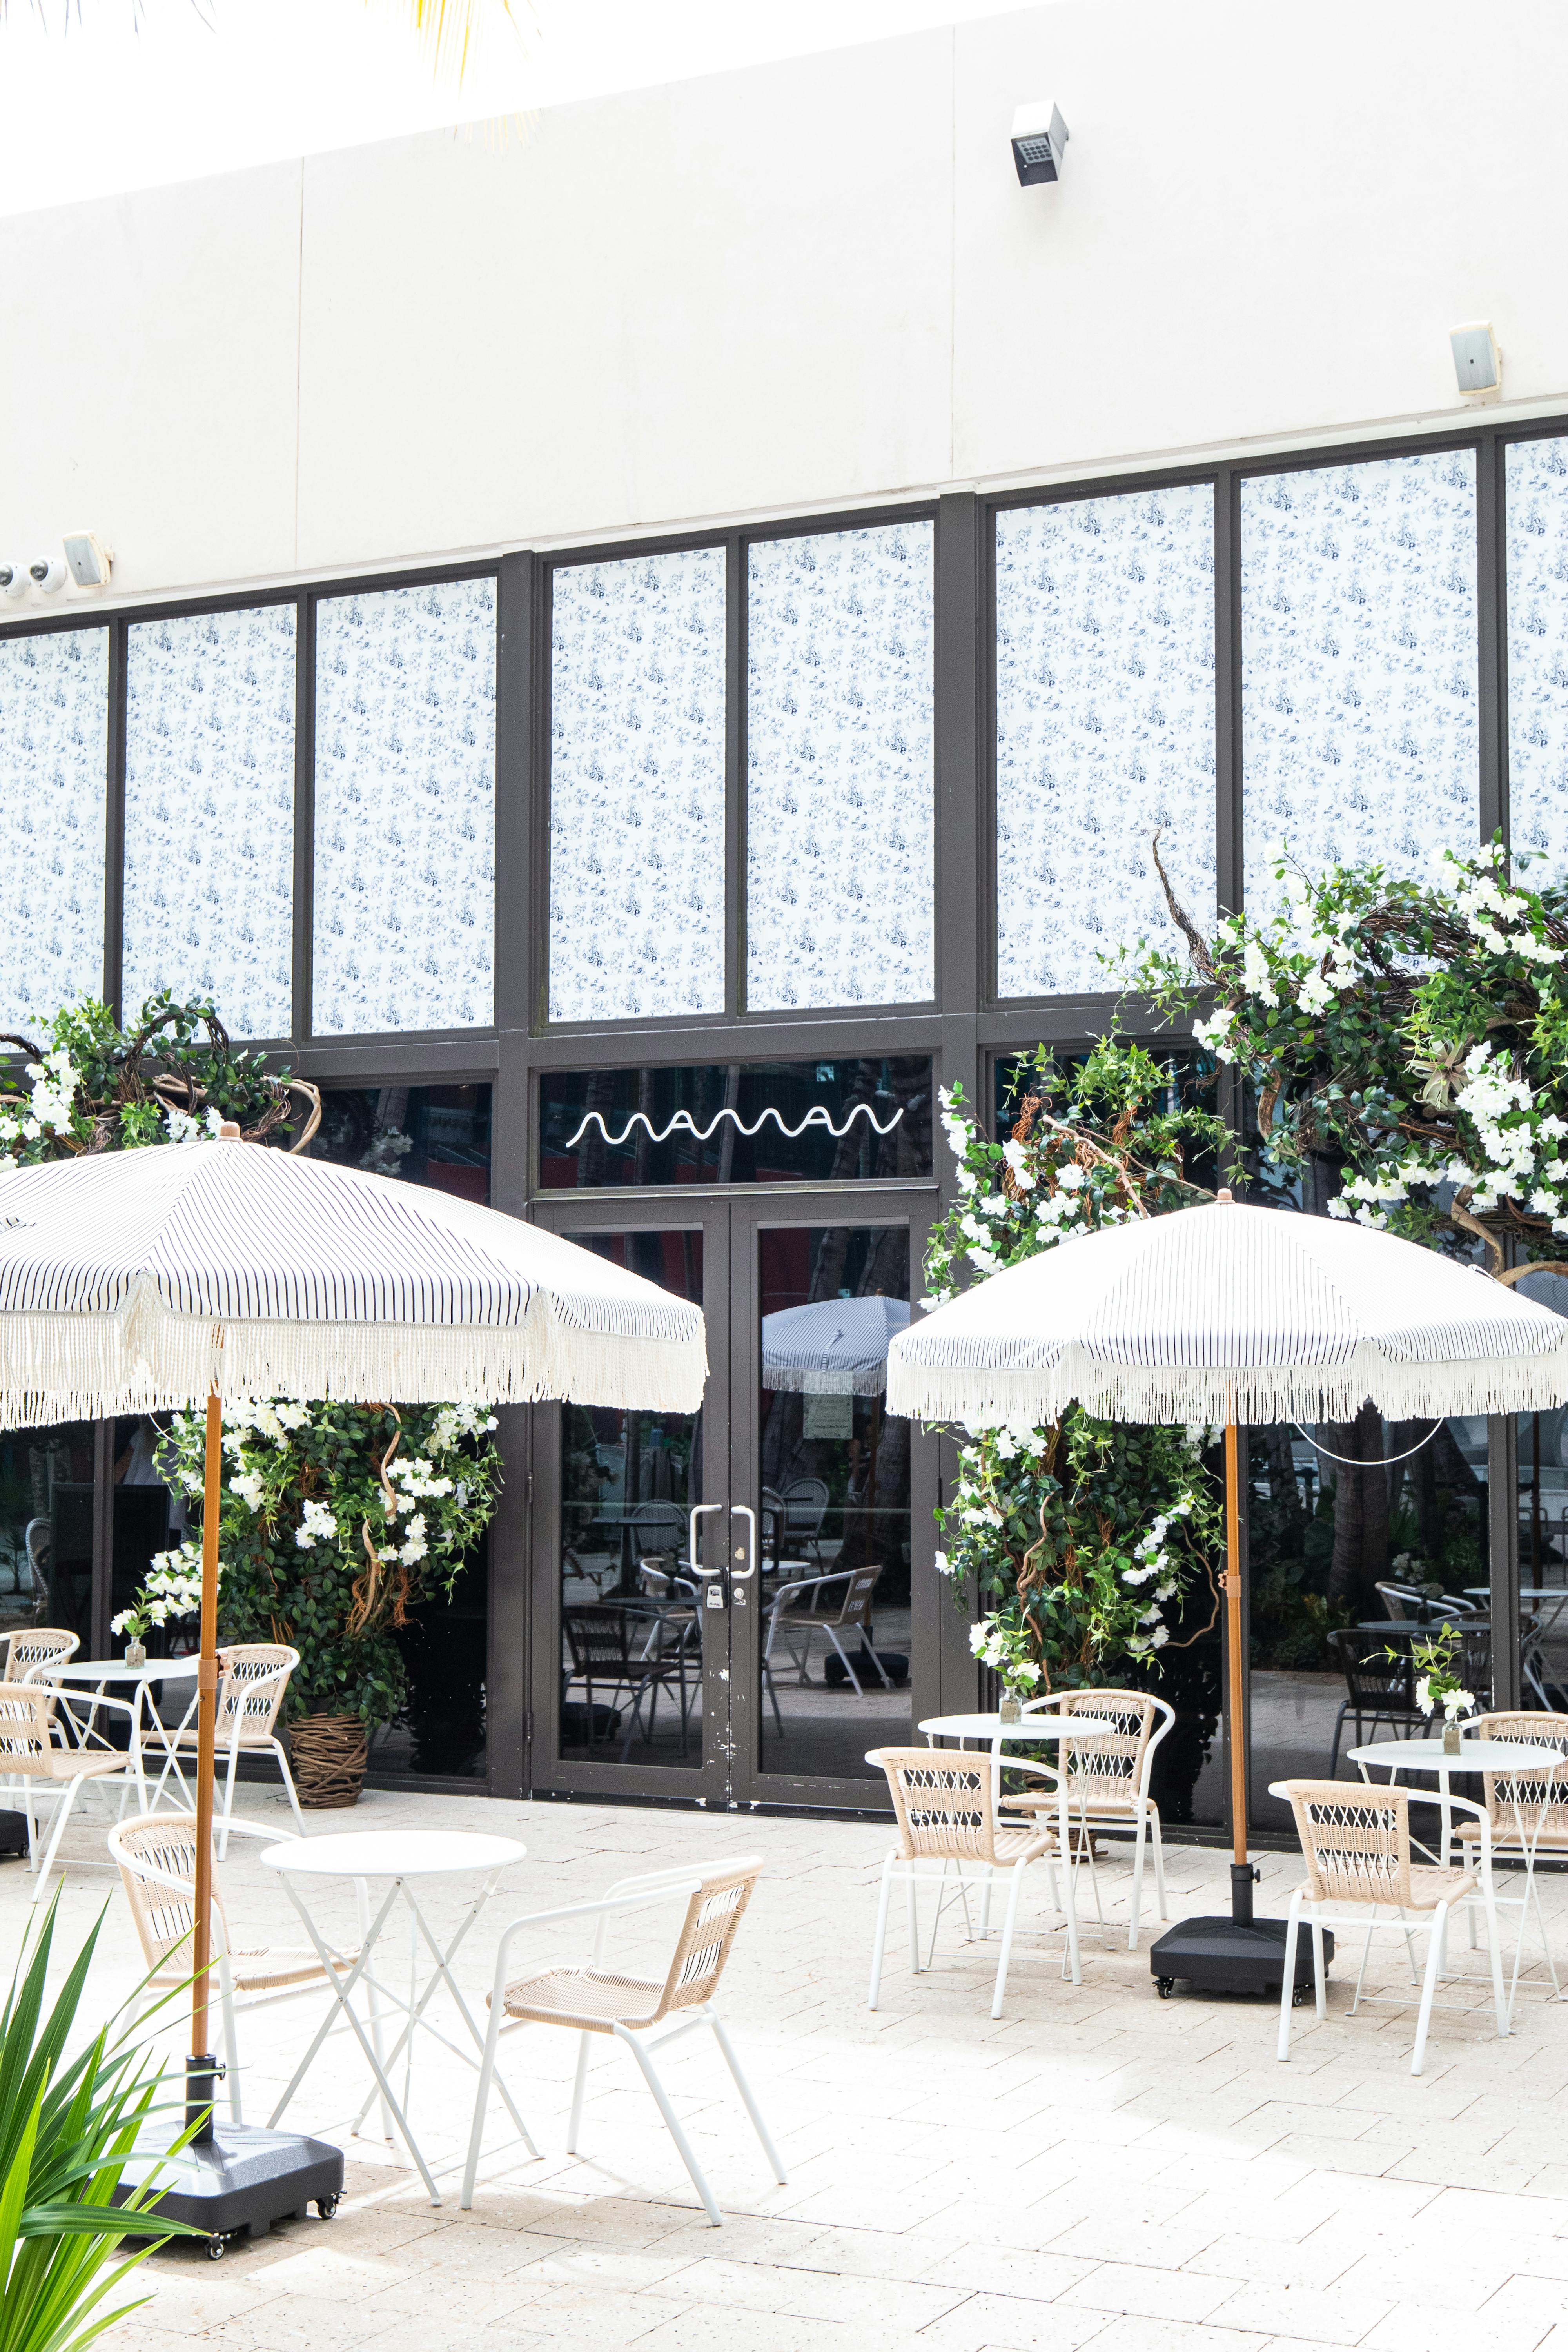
{"points": [[839, 875], [1359, 728], [209, 814], [1105, 731], [54, 767], [637, 787], [1537, 494], [404, 891]]}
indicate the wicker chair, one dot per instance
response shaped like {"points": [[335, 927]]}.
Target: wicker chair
{"points": [[255, 1681], [157, 1861], [1108, 1783], [594, 1998], [945, 1804], [606, 1653], [28, 1754], [1356, 1842], [1527, 1814], [32, 1647]]}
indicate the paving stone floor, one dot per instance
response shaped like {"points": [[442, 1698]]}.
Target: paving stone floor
{"points": [[1100, 2168]]}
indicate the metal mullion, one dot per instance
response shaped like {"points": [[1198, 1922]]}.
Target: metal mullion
{"points": [[516, 781], [114, 821], [1491, 660], [304, 811], [735, 639], [1230, 855]]}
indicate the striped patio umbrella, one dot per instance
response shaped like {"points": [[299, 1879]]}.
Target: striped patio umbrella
{"points": [[185, 1273], [1226, 1314]]}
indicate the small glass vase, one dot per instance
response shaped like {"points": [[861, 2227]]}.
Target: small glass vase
{"points": [[135, 1653], [1451, 1745], [1011, 1709]]}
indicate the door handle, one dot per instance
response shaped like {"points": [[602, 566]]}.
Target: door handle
{"points": [[743, 1575], [692, 1562]]}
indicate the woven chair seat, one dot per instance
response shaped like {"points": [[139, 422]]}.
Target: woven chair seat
{"points": [[62, 1764], [1506, 1840], [593, 2000], [1429, 1886], [1101, 1808], [263, 1967]]}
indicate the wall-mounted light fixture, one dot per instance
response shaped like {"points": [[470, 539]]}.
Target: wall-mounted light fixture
{"points": [[89, 561], [1039, 137], [1477, 363]]}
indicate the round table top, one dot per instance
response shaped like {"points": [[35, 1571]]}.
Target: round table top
{"points": [[1526, 1591], [393, 1853], [1047, 1725], [1474, 1755], [115, 1670]]}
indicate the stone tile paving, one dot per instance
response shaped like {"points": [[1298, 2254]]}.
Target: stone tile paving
{"points": [[1098, 2168]]}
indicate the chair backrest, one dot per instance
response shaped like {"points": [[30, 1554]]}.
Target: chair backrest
{"points": [[659, 1525], [1356, 1841], [1113, 1766], [165, 1915], [1536, 1802], [945, 1802], [33, 1646], [26, 1711], [598, 1638], [708, 1932], [1395, 1598], [255, 1678], [1372, 1680], [805, 1506]]}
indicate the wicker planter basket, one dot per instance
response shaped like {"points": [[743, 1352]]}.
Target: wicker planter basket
{"points": [[330, 1753]]}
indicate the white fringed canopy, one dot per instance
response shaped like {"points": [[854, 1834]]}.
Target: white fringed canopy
{"points": [[130, 1281], [832, 1346], [1224, 1313]]}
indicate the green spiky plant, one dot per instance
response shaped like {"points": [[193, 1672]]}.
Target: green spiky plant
{"points": [[66, 2125]]}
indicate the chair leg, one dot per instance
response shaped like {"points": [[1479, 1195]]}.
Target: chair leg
{"points": [[230, 2039], [1137, 1919], [911, 1905], [1502, 2005], [67, 1800], [1334, 1750], [1007, 1926], [744, 2088], [1429, 1985], [1319, 1970], [579, 2084], [1288, 1974], [881, 1938], [228, 1799], [481, 2101], [1159, 1858], [832, 1634], [650, 2077], [289, 1783]]}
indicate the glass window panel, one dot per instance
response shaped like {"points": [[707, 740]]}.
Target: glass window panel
{"points": [[833, 1603], [1359, 664], [45, 1530], [54, 766], [404, 897], [631, 1629], [637, 787], [209, 814], [763, 1123], [438, 1136], [839, 778], [1105, 731], [1543, 1534], [1537, 478]]}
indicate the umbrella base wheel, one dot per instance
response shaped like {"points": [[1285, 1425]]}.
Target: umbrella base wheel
{"points": [[1221, 1955]]}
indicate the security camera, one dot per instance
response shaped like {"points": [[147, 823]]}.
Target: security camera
{"points": [[88, 559], [1039, 135], [47, 574], [14, 579]]}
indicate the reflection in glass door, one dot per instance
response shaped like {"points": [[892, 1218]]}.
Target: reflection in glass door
{"points": [[831, 1637], [631, 1620]]}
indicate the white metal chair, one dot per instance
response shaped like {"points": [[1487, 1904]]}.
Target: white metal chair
{"points": [[945, 1803], [1528, 1816], [157, 1861], [595, 1998], [850, 1605], [255, 1681], [32, 1647], [1108, 1775], [28, 1754], [1356, 1844]]}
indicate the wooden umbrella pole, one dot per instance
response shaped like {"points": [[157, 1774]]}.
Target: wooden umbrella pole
{"points": [[1233, 1640], [207, 1729]]}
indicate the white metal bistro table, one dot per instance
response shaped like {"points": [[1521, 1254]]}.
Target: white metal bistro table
{"points": [[1047, 1725], [97, 1673], [397, 1859], [1509, 1759]]}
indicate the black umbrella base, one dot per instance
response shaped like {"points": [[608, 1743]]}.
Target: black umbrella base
{"points": [[1223, 1956], [244, 2177]]}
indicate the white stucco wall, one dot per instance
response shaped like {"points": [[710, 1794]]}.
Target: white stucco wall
{"points": [[816, 284]]}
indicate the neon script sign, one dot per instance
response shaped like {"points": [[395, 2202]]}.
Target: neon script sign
{"points": [[682, 1123]]}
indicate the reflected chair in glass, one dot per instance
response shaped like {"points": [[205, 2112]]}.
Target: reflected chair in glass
{"points": [[1108, 1783], [601, 1641], [840, 1598], [28, 1754], [157, 1863], [254, 1685], [1378, 1689], [1356, 1844], [1475, 1663], [1414, 1604], [596, 1999], [947, 1808], [1527, 1813], [805, 1502]]}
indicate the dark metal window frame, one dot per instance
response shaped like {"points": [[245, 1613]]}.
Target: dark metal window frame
{"points": [[965, 1027]]}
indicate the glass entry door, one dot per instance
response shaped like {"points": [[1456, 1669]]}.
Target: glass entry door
{"points": [[733, 1606]]}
